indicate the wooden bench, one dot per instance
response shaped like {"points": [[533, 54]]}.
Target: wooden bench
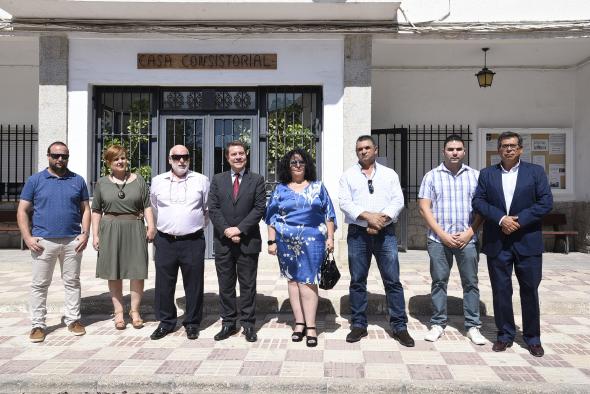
{"points": [[9, 225], [555, 220]]}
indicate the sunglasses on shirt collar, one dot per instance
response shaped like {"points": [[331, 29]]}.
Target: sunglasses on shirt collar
{"points": [[371, 187]]}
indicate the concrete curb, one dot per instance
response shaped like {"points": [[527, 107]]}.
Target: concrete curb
{"points": [[197, 384]]}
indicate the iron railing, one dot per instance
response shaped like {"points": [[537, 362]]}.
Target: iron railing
{"points": [[412, 151], [18, 159]]}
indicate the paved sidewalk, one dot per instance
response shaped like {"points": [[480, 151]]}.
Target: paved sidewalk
{"points": [[107, 360]]}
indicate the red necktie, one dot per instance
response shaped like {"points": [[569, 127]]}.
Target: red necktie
{"points": [[236, 185]]}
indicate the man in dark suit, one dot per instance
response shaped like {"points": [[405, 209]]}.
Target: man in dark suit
{"points": [[237, 200], [513, 196]]}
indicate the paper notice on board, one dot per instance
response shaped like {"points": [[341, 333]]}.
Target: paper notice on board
{"points": [[540, 145], [557, 144], [555, 182], [494, 159], [539, 160], [526, 143], [491, 143], [556, 170]]}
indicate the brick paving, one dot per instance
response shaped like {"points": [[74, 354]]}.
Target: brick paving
{"points": [[108, 353]]}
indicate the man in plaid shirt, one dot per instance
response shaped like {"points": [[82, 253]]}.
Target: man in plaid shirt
{"points": [[445, 204]]}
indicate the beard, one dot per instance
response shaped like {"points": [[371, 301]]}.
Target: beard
{"points": [[178, 170]]}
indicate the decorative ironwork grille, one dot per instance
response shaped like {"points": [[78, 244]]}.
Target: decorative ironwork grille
{"points": [[412, 151], [125, 118], [208, 100], [291, 120], [18, 159]]}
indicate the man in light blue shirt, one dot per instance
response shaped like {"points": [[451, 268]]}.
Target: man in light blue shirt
{"points": [[371, 199], [445, 204], [61, 223]]}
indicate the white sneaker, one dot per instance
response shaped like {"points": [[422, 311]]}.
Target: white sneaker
{"points": [[476, 336], [435, 332]]}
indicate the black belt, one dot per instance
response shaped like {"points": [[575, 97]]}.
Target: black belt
{"points": [[195, 235]]}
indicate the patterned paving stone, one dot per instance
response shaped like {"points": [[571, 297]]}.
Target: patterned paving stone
{"points": [[7, 353], [562, 375], [518, 374], [379, 371], [178, 367], [137, 367], [302, 369], [304, 355], [561, 348], [18, 366], [97, 367], [473, 373], [429, 372], [344, 370], [70, 354], [228, 354], [341, 344], [463, 358], [378, 357], [549, 360], [260, 368], [151, 354]]}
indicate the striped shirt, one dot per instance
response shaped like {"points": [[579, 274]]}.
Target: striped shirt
{"points": [[451, 197], [355, 197]]}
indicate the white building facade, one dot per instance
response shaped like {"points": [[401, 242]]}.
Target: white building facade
{"points": [[403, 71]]}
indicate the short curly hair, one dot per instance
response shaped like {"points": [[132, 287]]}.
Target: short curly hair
{"points": [[284, 167], [112, 152]]}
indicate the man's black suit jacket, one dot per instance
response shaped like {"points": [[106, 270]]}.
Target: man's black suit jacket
{"points": [[245, 212]]}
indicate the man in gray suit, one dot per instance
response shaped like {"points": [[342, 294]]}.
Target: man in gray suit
{"points": [[237, 200]]}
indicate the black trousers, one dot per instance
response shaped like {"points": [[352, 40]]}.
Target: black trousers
{"points": [[189, 256], [243, 267]]}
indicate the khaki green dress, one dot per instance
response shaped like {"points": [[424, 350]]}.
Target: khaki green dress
{"points": [[122, 245]]}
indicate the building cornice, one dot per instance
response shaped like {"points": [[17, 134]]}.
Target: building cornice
{"points": [[555, 29]]}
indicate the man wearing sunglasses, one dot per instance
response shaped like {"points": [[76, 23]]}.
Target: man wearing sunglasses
{"points": [[179, 203], [445, 204], [61, 224], [236, 204], [513, 196], [371, 199]]}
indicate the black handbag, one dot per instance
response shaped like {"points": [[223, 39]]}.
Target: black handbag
{"points": [[329, 274]]}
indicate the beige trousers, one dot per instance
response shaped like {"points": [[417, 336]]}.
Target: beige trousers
{"points": [[43, 266]]}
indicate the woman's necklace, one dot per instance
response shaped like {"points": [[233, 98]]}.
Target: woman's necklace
{"points": [[121, 193]]}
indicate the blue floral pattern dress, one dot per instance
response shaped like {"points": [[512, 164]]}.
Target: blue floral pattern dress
{"points": [[299, 219]]}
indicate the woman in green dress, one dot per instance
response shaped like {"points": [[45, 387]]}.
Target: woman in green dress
{"points": [[119, 206]]}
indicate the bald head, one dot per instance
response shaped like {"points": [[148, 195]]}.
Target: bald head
{"points": [[179, 160]]}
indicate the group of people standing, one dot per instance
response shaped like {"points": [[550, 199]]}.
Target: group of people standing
{"points": [[126, 215]]}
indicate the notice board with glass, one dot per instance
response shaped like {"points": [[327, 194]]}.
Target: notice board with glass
{"points": [[551, 148]]}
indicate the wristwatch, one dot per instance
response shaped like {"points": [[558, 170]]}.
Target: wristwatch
{"points": [[271, 242]]}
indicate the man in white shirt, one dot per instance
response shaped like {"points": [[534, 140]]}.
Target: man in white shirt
{"points": [[179, 203], [371, 199]]}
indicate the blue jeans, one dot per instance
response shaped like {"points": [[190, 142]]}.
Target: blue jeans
{"points": [[361, 246], [441, 262]]}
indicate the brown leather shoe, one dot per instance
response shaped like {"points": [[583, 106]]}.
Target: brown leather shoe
{"points": [[536, 350], [37, 335], [77, 328], [500, 346]]}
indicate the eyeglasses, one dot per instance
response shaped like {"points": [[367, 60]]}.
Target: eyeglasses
{"points": [[509, 146], [295, 163], [371, 188], [178, 157], [56, 156]]}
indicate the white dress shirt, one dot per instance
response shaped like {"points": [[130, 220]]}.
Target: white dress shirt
{"points": [[180, 205], [509, 178], [355, 198]]}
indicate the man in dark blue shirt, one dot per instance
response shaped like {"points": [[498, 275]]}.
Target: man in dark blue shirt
{"points": [[61, 224]]}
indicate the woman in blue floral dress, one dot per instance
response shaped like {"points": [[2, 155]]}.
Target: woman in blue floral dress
{"points": [[301, 223]]}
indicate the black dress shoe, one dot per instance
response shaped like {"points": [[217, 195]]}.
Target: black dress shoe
{"points": [[355, 334], [192, 332], [500, 346], [226, 332], [536, 350], [404, 338], [250, 334], [160, 333]]}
